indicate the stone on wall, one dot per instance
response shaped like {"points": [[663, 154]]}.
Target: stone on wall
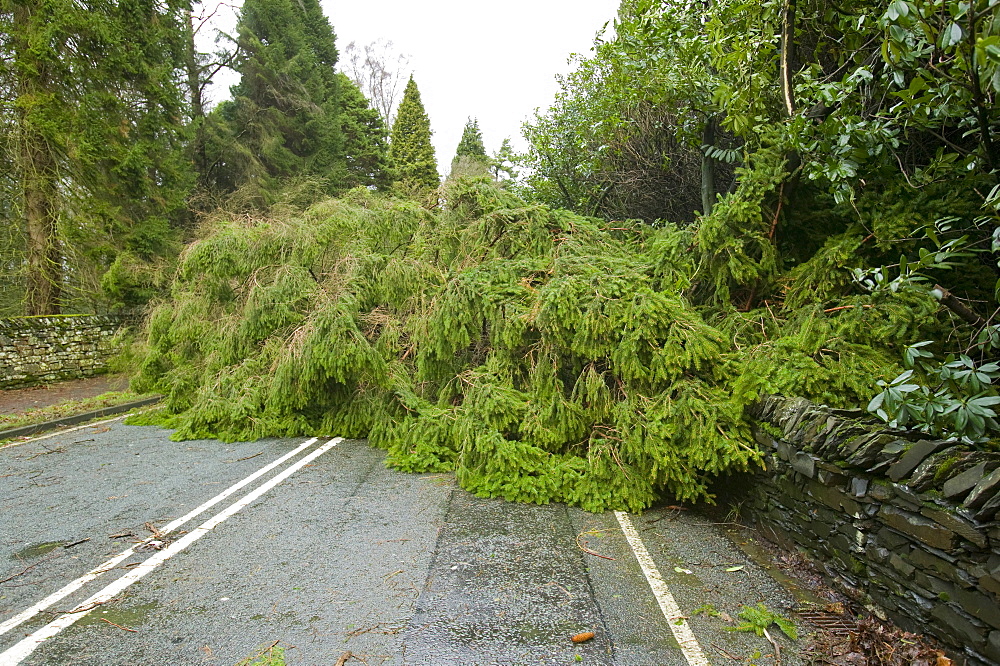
{"points": [[906, 525], [37, 350]]}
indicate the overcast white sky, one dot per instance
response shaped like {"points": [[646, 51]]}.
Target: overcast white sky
{"points": [[495, 61]]}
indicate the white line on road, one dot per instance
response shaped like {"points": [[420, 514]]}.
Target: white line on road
{"points": [[24, 648], [12, 444], [671, 611], [68, 589]]}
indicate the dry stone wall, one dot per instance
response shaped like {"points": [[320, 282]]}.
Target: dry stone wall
{"points": [[907, 525], [35, 350]]}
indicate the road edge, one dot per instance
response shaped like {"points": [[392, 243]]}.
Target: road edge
{"points": [[24, 431]]}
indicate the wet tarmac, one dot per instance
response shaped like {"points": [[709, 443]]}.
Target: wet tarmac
{"points": [[346, 555]]}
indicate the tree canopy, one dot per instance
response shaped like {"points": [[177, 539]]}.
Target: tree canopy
{"points": [[96, 146], [822, 155], [283, 117]]}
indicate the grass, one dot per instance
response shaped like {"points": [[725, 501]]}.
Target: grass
{"points": [[67, 408]]}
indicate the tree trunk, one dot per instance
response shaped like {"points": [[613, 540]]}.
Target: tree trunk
{"points": [[708, 192], [194, 73], [788, 55], [40, 214], [36, 166]]}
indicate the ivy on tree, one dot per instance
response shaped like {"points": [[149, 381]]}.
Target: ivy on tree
{"points": [[100, 163]]}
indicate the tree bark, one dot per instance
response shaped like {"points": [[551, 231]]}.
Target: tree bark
{"points": [[708, 192], [36, 166], [194, 84], [788, 55], [950, 301]]}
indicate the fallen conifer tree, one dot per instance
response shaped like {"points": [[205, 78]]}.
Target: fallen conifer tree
{"points": [[541, 355]]}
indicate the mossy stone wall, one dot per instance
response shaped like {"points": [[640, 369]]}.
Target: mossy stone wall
{"points": [[906, 525], [36, 350]]}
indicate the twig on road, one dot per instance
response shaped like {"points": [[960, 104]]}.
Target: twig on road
{"points": [[587, 550], [726, 653], [154, 529], [58, 449], [76, 543], [28, 568], [777, 648], [374, 628], [247, 458], [251, 659], [104, 619], [343, 659], [84, 609], [561, 588]]}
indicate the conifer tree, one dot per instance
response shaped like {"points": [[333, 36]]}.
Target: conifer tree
{"points": [[470, 156], [364, 138], [503, 164], [99, 166], [284, 112], [471, 144], [411, 155]]}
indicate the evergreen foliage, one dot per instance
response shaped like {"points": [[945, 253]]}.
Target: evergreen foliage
{"points": [[411, 155], [861, 141], [96, 145], [283, 120], [539, 354], [470, 157], [471, 144], [364, 132]]}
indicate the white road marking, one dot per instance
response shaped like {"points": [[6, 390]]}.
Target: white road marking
{"points": [[75, 585], [11, 444], [668, 605], [24, 648]]}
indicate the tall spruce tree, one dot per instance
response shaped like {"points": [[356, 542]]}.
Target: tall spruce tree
{"points": [[99, 158], [471, 144], [470, 156], [364, 138], [283, 116], [411, 155]]}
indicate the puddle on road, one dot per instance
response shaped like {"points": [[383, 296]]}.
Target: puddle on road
{"points": [[37, 550], [126, 617]]}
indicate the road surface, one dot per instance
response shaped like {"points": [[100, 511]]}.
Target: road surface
{"points": [[119, 546]]}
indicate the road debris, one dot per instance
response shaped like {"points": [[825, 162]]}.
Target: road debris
{"points": [[113, 624], [58, 449], [583, 637], [588, 550], [28, 568]]}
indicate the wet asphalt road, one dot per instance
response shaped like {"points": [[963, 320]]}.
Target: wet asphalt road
{"points": [[346, 555]]}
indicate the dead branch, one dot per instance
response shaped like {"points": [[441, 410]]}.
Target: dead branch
{"points": [[113, 624], [950, 301], [846, 307], [27, 569]]}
